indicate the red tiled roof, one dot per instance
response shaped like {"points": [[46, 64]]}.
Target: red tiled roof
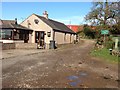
{"points": [[75, 28]]}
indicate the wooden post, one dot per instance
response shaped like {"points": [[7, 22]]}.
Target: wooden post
{"points": [[104, 39]]}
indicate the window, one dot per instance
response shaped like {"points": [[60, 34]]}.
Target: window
{"points": [[6, 34], [36, 21], [16, 34], [42, 35], [48, 34]]}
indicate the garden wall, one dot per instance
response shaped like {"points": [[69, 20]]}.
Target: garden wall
{"points": [[7, 46]]}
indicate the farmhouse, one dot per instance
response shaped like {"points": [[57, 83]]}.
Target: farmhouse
{"points": [[47, 31]]}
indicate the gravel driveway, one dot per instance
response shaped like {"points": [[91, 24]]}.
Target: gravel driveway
{"points": [[69, 66]]}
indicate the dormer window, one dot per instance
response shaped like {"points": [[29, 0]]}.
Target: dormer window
{"points": [[36, 21]]}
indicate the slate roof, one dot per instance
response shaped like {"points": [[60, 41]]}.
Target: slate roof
{"points": [[55, 25], [10, 24]]}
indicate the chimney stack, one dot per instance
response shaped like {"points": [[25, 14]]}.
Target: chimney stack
{"points": [[16, 21], [45, 14]]}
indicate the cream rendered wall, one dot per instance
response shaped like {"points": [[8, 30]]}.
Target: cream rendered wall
{"points": [[72, 38], [67, 38], [75, 37], [41, 26], [59, 37], [30, 38], [62, 38]]}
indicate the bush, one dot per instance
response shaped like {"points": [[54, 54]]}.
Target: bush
{"points": [[89, 32], [109, 44]]}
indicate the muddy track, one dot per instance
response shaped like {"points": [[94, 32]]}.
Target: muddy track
{"points": [[69, 66]]}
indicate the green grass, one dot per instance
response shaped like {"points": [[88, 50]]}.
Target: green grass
{"points": [[104, 54]]}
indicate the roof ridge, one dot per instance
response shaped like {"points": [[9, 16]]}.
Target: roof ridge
{"points": [[48, 18], [57, 21], [56, 25], [44, 20], [38, 15]]}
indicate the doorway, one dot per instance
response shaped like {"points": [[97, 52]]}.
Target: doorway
{"points": [[39, 38]]}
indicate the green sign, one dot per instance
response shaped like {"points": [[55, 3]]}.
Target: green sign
{"points": [[104, 31]]}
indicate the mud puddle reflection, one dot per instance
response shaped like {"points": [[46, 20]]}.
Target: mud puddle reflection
{"points": [[75, 80]]}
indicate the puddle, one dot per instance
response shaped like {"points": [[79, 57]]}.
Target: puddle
{"points": [[75, 79], [73, 84], [72, 77]]}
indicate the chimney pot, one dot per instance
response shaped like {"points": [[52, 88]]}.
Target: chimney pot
{"points": [[45, 14], [15, 20]]}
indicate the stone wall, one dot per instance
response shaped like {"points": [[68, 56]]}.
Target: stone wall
{"points": [[25, 45], [6, 46]]}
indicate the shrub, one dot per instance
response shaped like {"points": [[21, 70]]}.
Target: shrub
{"points": [[89, 32], [109, 44]]}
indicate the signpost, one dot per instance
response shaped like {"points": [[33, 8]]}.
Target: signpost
{"points": [[104, 32]]}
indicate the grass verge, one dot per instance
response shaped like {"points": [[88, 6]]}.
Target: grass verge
{"points": [[104, 54]]}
